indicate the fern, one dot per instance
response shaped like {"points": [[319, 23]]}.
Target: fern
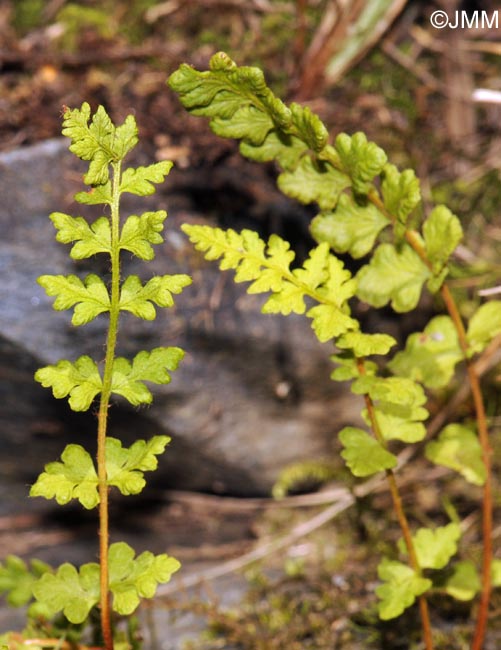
{"points": [[322, 277], [367, 208], [120, 578]]}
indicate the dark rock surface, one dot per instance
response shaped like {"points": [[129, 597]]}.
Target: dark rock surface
{"points": [[252, 395]]}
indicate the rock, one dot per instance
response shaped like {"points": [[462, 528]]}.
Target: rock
{"points": [[253, 393]]}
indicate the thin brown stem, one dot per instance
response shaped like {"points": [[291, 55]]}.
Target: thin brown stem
{"points": [[483, 434], [487, 502], [103, 526], [111, 340], [401, 517]]}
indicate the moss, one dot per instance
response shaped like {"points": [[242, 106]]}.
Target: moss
{"points": [[27, 15]]}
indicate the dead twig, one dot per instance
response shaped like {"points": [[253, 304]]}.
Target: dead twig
{"points": [[262, 551]]}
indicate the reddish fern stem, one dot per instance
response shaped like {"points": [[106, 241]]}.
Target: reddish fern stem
{"points": [[483, 435], [401, 517], [106, 626], [487, 501]]}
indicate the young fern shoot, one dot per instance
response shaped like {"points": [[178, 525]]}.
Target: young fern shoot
{"points": [[120, 579], [360, 195]]}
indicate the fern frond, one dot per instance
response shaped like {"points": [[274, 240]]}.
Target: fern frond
{"points": [[322, 277], [240, 105]]}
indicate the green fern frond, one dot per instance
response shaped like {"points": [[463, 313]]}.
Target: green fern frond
{"points": [[322, 277], [240, 105]]}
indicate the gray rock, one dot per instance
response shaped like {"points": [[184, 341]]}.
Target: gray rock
{"points": [[252, 395]]}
